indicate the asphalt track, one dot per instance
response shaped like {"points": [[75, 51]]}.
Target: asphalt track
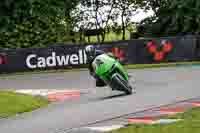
{"points": [[155, 87]]}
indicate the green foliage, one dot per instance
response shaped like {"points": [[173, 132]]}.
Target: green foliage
{"points": [[13, 12], [34, 33], [34, 23], [50, 8], [172, 17], [107, 15]]}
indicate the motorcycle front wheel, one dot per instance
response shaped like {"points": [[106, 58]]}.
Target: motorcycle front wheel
{"points": [[119, 83]]}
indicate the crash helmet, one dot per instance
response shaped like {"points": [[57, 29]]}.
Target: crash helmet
{"points": [[90, 51]]}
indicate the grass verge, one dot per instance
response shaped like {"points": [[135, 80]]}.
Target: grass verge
{"points": [[132, 66], [141, 66], [190, 123], [12, 103]]}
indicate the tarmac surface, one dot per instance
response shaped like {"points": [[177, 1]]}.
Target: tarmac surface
{"points": [[154, 88]]}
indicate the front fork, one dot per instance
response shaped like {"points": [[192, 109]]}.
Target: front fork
{"points": [[122, 71]]}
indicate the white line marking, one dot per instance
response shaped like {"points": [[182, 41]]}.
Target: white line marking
{"points": [[105, 128], [166, 121]]}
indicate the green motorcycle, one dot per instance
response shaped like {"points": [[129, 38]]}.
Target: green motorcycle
{"points": [[112, 73]]}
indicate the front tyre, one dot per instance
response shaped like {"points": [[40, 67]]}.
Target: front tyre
{"points": [[119, 83]]}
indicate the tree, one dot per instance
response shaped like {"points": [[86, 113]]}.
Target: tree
{"points": [[172, 17], [95, 14], [103, 14], [124, 10], [35, 23], [12, 12]]}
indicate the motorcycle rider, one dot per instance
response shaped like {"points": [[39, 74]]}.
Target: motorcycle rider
{"points": [[92, 53]]}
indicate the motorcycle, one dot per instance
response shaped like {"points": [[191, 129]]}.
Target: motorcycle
{"points": [[112, 73]]}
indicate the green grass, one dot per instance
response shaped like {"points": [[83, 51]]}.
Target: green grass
{"points": [[109, 37], [12, 103], [189, 124], [141, 66]]}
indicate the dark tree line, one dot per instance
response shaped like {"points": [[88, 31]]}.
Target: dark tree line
{"points": [[38, 23], [172, 17], [34, 23]]}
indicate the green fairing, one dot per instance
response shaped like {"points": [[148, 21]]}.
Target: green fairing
{"points": [[121, 68], [103, 64]]}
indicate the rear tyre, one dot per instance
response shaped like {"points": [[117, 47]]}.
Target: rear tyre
{"points": [[121, 84]]}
